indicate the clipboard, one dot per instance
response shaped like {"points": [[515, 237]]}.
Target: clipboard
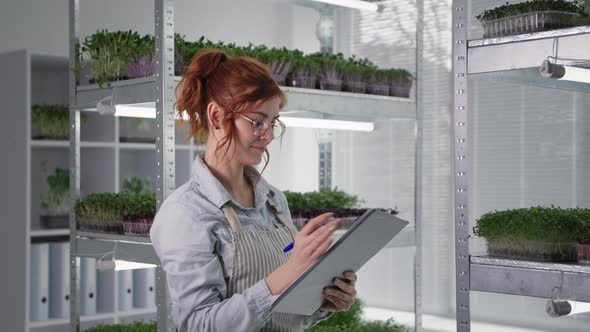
{"points": [[369, 234]]}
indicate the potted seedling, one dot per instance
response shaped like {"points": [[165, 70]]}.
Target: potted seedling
{"points": [[538, 233], [55, 208], [143, 62], [110, 53], [400, 82], [584, 238], [139, 213], [304, 73], [140, 206], [355, 75], [52, 121], [331, 66], [305, 206], [279, 62], [378, 82], [101, 212], [532, 16]]}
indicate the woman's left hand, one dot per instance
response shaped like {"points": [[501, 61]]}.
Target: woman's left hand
{"points": [[340, 297]]}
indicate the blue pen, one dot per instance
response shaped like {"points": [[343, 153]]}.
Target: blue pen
{"points": [[289, 247]]}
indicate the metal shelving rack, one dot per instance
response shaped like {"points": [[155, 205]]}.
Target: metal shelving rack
{"points": [[159, 91], [513, 59]]}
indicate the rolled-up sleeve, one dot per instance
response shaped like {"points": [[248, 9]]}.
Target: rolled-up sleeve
{"points": [[186, 248]]}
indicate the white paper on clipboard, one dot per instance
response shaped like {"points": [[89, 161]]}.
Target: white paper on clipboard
{"points": [[363, 240]]}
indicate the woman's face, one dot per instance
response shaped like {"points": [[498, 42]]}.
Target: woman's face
{"points": [[249, 147]]}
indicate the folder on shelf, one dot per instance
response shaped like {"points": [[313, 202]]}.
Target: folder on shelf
{"points": [[144, 288], [39, 282], [59, 280], [369, 234], [105, 290], [87, 286], [125, 286]]}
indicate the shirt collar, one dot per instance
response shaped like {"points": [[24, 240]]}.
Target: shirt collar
{"points": [[216, 193]]}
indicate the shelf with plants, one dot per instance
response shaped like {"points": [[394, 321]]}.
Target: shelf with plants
{"points": [[306, 205], [329, 85], [537, 251], [533, 249], [518, 55]]}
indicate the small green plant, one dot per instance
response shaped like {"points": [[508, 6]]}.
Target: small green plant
{"points": [[50, 121], [56, 203], [507, 10], [323, 199], [133, 327], [546, 224], [136, 185], [351, 321]]}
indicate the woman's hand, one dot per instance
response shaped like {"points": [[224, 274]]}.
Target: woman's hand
{"points": [[340, 297], [310, 244], [312, 241]]}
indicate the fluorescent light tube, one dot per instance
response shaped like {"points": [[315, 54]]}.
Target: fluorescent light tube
{"points": [[328, 124], [120, 265], [136, 111], [558, 308], [354, 4], [565, 73]]}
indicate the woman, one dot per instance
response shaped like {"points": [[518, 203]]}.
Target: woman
{"points": [[220, 236]]}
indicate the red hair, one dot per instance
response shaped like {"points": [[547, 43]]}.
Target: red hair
{"points": [[237, 84]]}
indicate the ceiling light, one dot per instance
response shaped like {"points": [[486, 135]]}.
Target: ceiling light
{"points": [[120, 265]]}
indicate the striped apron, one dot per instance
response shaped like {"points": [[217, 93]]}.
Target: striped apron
{"points": [[257, 253]]}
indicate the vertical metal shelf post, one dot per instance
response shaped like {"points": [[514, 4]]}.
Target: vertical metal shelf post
{"points": [[460, 166], [74, 27], [418, 165], [165, 139]]}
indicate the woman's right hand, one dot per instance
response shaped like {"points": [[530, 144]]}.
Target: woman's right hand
{"points": [[310, 244]]}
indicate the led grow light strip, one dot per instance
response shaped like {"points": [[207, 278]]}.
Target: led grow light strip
{"points": [[565, 73], [354, 4], [121, 265], [328, 124]]}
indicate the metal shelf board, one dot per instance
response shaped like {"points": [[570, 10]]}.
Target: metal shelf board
{"points": [[142, 90], [130, 248], [65, 321], [536, 279], [517, 58]]}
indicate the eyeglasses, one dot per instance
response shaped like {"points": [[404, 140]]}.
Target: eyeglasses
{"points": [[260, 127]]}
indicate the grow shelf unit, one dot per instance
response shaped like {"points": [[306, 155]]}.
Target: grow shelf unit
{"points": [[511, 59], [159, 91]]}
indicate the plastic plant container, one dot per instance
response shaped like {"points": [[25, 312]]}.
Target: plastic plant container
{"points": [[534, 250], [584, 253], [302, 81], [142, 67], [138, 225], [354, 86], [330, 84], [381, 89], [400, 88], [531, 22]]}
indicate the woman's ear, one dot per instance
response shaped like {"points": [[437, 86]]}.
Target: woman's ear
{"points": [[214, 115]]}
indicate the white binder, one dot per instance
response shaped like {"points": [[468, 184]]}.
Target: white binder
{"points": [[144, 288], [125, 290], [39, 282], [87, 286], [59, 280]]}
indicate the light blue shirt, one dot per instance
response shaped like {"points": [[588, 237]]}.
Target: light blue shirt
{"points": [[193, 240]]}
